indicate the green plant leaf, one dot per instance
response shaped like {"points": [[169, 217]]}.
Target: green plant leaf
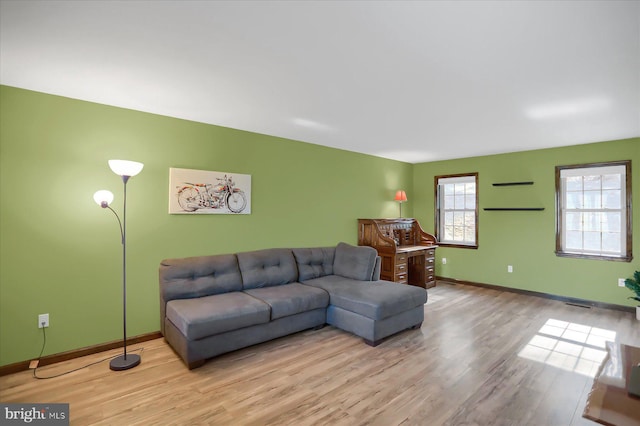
{"points": [[633, 284]]}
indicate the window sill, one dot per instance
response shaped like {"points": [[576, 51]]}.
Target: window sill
{"points": [[628, 258], [457, 245]]}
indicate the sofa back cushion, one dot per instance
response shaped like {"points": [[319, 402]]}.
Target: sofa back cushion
{"points": [[356, 262], [265, 268], [199, 276], [314, 262]]}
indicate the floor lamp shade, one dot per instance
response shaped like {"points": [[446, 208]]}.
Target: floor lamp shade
{"points": [[103, 197], [400, 197], [125, 167]]}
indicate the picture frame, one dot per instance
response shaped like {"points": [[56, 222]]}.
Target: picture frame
{"points": [[208, 192]]}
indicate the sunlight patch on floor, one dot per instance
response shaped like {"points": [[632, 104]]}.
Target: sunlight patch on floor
{"points": [[569, 346]]}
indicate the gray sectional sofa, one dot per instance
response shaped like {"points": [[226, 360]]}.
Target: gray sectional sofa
{"points": [[210, 305]]}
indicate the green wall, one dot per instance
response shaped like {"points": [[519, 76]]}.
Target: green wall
{"points": [[60, 253], [526, 240]]}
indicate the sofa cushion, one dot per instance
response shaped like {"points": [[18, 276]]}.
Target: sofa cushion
{"points": [[373, 299], [290, 299], [357, 262], [199, 276], [210, 315], [265, 268], [314, 262]]}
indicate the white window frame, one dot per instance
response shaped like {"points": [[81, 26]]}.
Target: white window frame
{"points": [[592, 209], [446, 212]]}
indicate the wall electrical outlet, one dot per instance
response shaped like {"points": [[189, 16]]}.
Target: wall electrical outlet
{"points": [[621, 282], [444, 260], [43, 319], [509, 268]]}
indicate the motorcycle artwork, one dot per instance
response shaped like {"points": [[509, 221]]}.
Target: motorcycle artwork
{"points": [[199, 191], [194, 196]]}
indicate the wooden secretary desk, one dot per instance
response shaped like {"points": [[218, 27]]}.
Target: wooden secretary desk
{"points": [[407, 252]]}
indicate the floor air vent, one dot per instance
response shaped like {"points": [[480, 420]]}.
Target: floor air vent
{"points": [[578, 305]]}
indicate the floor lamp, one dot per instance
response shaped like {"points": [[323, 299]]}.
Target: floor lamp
{"points": [[125, 169], [400, 197]]}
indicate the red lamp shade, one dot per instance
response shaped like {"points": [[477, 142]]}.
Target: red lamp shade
{"points": [[401, 196]]}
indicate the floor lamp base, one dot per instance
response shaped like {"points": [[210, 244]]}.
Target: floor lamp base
{"points": [[121, 363]]}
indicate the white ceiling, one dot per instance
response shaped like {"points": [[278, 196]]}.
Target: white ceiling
{"points": [[407, 80]]}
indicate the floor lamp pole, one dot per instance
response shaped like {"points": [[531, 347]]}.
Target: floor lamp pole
{"points": [[124, 361]]}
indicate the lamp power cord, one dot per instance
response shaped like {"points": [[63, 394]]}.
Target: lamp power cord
{"points": [[44, 343]]}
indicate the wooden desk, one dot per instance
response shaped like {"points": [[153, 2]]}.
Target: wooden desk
{"points": [[608, 402], [408, 254], [413, 265]]}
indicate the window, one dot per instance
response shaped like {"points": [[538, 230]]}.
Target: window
{"points": [[593, 211], [457, 210]]}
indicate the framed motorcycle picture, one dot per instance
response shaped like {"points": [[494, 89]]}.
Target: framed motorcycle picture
{"points": [[208, 192]]}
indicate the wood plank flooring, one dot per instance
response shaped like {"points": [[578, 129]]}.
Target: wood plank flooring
{"points": [[482, 357]]}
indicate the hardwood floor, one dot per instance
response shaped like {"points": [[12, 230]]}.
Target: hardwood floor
{"points": [[482, 357]]}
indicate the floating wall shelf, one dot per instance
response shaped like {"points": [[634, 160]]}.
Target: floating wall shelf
{"points": [[512, 183], [513, 209]]}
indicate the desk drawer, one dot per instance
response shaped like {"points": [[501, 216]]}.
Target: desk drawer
{"points": [[430, 253], [430, 274], [401, 278], [401, 267]]}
